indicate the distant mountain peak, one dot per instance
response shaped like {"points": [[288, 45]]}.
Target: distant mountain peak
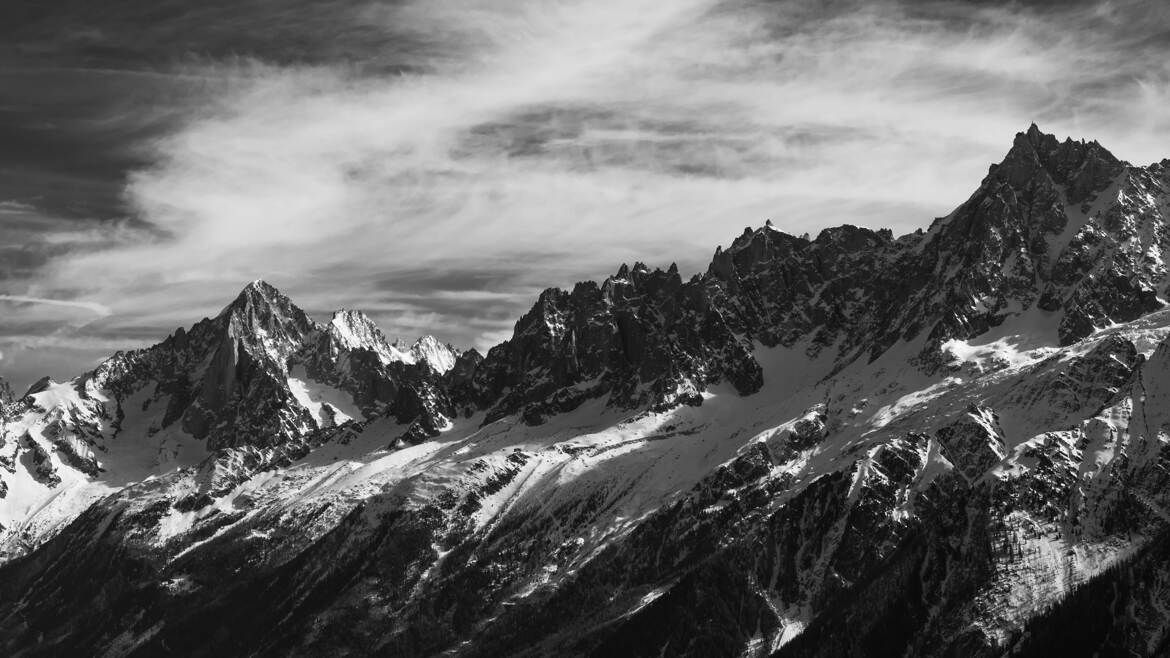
{"points": [[262, 316], [440, 356], [261, 286], [355, 329], [257, 292]]}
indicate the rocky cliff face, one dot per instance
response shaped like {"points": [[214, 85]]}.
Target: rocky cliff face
{"points": [[859, 444]]}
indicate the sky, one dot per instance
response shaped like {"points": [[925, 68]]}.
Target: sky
{"points": [[437, 163]]}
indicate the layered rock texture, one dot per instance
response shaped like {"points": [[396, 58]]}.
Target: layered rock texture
{"points": [[949, 443]]}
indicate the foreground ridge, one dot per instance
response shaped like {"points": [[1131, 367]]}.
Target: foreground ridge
{"points": [[856, 444]]}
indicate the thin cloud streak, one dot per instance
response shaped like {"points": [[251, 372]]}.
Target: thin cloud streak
{"points": [[95, 308]]}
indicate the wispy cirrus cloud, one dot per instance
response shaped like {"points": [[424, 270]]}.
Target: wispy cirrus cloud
{"points": [[524, 144], [92, 307]]}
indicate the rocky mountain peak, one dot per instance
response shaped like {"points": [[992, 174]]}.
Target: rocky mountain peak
{"points": [[438, 355], [353, 330], [258, 293], [261, 311], [1081, 168], [854, 238]]}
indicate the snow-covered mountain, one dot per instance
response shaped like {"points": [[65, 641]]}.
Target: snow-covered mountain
{"points": [[948, 443], [261, 381]]}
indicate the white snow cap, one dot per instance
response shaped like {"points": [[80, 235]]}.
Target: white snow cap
{"points": [[439, 356], [355, 330]]}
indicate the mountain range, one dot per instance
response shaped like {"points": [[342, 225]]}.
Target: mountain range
{"points": [[954, 442]]}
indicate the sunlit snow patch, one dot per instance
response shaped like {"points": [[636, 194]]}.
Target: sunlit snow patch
{"points": [[330, 406], [1020, 340]]}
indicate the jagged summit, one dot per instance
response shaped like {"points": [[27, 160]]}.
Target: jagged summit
{"points": [[1083, 168], [1039, 236], [435, 353], [355, 330], [261, 287], [266, 324], [262, 373], [262, 316], [256, 293], [261, 305]]}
